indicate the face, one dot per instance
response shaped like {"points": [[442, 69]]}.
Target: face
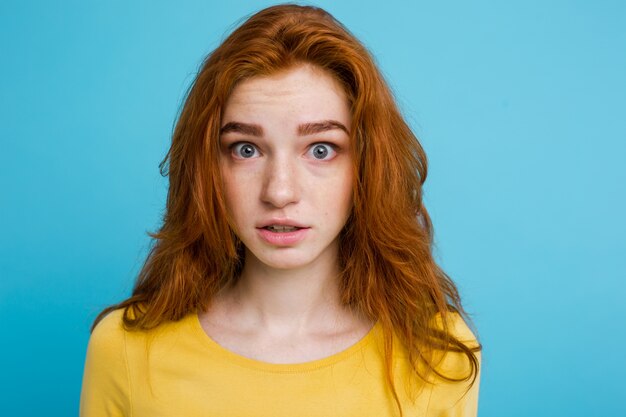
{"points": [[286, 165]]}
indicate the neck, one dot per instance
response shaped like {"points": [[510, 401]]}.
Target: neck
{"points": [[290, 301]]}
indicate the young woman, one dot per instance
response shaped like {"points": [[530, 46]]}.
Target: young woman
{"points": [[293, 273]]}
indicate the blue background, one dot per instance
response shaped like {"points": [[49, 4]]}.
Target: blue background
{"points": [[521, 107]]}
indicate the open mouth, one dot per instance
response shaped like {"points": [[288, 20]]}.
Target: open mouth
{"points": [[283, 235], [282, 229]]}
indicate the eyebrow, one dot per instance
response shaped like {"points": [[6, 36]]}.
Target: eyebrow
{"points": [[303, 130], [319, 127], [243, 128]]}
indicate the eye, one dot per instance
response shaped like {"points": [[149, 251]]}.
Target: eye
{"points": [[244, 150], [322, 151]]}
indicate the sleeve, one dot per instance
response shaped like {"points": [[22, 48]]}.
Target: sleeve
{"points": [[459, 399], [106, 387]]}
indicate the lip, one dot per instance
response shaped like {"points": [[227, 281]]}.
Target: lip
{"points": [[281, 222], [282, 238]]}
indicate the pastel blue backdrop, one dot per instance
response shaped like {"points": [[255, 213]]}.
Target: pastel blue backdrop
{"points": [[521, 107]]}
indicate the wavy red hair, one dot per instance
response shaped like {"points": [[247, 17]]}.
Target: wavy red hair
{"points": [[388, 271]]}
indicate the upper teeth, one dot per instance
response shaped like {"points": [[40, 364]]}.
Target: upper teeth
{"points": [[279, 228]]}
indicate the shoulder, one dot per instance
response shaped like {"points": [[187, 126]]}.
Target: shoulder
{"points": [[110, 324], [106, 352], [458, 396], [108, 337], [105, 389], [457, 327]]}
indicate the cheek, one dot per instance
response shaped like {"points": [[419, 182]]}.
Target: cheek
{"points": [[347, 183], [233, 193], [344, 192], [339, 199]]}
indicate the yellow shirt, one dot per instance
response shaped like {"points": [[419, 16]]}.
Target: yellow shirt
{"points": [[178, 370]]}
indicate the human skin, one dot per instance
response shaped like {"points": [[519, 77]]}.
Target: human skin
{"points": [[283, 175], [285, 305]]}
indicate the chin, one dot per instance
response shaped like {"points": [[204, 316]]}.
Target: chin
{"points": [[285, 262], [282, 259]]}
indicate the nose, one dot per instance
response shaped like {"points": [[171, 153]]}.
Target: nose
{"points": [[280, 185]]}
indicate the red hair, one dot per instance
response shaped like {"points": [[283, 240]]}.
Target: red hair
{"points": [[388, 270]]}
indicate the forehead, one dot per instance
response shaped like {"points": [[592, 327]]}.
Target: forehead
{"points": [[306, 91]]}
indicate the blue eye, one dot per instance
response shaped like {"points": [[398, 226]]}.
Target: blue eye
{"points": [[244, 150], [322, 151]]}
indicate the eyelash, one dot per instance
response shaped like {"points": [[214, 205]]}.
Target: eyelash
{"points": [[235, 148]]}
